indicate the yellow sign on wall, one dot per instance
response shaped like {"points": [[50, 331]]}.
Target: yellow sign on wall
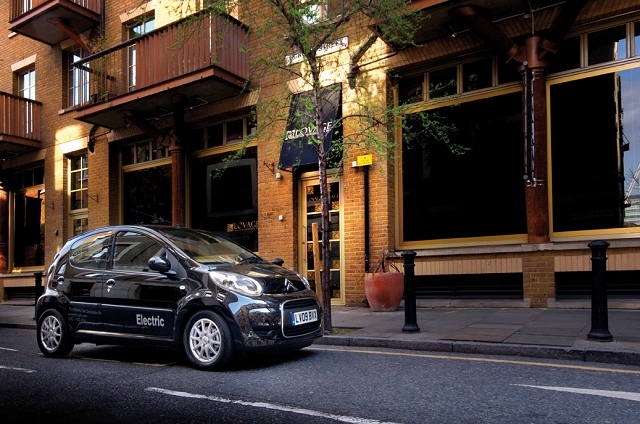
{"points": [[365, 160]]}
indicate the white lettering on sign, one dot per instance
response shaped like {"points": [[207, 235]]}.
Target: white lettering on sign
{"points": [[326, 48], [308, 130], [152, 321]]}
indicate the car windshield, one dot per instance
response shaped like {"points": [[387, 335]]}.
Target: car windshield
{"points": [[207, 248]]}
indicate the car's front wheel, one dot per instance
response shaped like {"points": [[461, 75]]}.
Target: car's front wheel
{"points": [[208, 341], [53, 335]]}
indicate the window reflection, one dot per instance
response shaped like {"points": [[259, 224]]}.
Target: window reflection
{"points": [[607, 45], [595, 139]]}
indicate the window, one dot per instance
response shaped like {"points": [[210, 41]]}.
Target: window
{"points": [[313, 11], [595, 140], [224, 197], [146, 183], [133, 251], [91, 252], [461, 78], [475, 190], [142, 152], [78, 194], [607, 45], [139, 28], [27, 84], [224, 133], [147, 195], [77, 79], [79, 182]]}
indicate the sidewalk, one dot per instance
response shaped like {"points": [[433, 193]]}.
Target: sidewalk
{"points": [[525, 332]]}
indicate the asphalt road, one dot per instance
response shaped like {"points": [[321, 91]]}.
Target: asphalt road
{"points": [[107, 384]]}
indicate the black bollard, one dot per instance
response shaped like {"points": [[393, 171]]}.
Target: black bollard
{"points": [[410, 324], [39, 291], [599, 314]]}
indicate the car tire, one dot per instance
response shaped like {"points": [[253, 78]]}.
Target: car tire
{"points": [[207, 341], [53, 335]]}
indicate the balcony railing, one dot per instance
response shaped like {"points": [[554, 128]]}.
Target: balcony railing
{"points": [[167, 53], [19, 117], [20, 7]]}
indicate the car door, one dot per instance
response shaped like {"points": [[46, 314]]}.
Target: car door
{"points": [[136, 300], [80, 278]]}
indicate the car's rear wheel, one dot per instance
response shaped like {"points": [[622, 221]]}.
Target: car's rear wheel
{"points": [[53, 335], [208, 341]]}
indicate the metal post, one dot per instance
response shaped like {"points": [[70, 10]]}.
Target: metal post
{"points": [[410, 324], [599, 314], [39, 291]]}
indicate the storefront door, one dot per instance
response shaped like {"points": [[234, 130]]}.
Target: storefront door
{"points": [[311, 213]]}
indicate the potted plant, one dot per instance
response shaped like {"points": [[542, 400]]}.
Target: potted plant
{"points": [[384, 286]]}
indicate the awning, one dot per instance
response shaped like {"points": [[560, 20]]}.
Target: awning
{"points": [[297, 149]]}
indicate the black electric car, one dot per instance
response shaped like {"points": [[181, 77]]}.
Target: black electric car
{"points": [[173, 287]]}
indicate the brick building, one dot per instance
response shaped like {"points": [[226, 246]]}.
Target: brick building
{"points": [[106, 121]]}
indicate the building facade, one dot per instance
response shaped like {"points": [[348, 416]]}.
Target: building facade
{"points": [[111, 115]]}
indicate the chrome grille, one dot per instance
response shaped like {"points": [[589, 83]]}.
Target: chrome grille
{"points": [[296, 305]]}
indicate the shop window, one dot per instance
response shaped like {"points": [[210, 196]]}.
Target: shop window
{"points": [[147, 195], [595, 141], [29, 210], [607, 45], [227, 197], [472, 186]]}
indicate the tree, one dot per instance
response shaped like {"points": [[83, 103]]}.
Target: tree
{"points": [[300, 45]]}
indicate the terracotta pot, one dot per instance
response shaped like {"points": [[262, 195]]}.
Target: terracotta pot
{"points": [[384, 290]]}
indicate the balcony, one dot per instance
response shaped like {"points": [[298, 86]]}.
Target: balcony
{"points": [[141, 75], [19, 125], [49, 21]]}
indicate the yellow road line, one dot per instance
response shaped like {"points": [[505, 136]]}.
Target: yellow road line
{"points": [[498, 361]]}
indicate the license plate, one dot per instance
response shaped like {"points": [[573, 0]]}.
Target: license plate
{"points": [[304, 317]]}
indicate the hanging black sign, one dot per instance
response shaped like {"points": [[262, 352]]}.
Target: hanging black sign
{"points": [[298, 147]]}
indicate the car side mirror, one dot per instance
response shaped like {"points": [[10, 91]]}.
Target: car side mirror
{"points": [[161, 265]]}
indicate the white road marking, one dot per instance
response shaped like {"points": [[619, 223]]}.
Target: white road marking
{"points": [[6, 348], [474, 359], [275, 407], [16, 369], [605, 393]]}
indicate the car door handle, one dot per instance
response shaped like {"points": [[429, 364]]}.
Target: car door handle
{"points": [[110, 283]]}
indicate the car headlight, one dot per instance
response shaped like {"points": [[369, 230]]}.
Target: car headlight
{"points": [[236, 282], [305, 282]]}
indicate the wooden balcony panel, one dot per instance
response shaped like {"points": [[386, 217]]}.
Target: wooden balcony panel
{"points": [[19, 124], [35, 21], [209, 64], [20, 7]]}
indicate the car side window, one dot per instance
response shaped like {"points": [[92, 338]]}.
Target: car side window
{"points": [[133, 251], [91, 252]]}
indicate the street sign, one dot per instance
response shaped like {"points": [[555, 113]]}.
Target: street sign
{"points": [[365, 160]]}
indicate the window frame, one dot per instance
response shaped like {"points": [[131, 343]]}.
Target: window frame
{"points": [[30, 90]]}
